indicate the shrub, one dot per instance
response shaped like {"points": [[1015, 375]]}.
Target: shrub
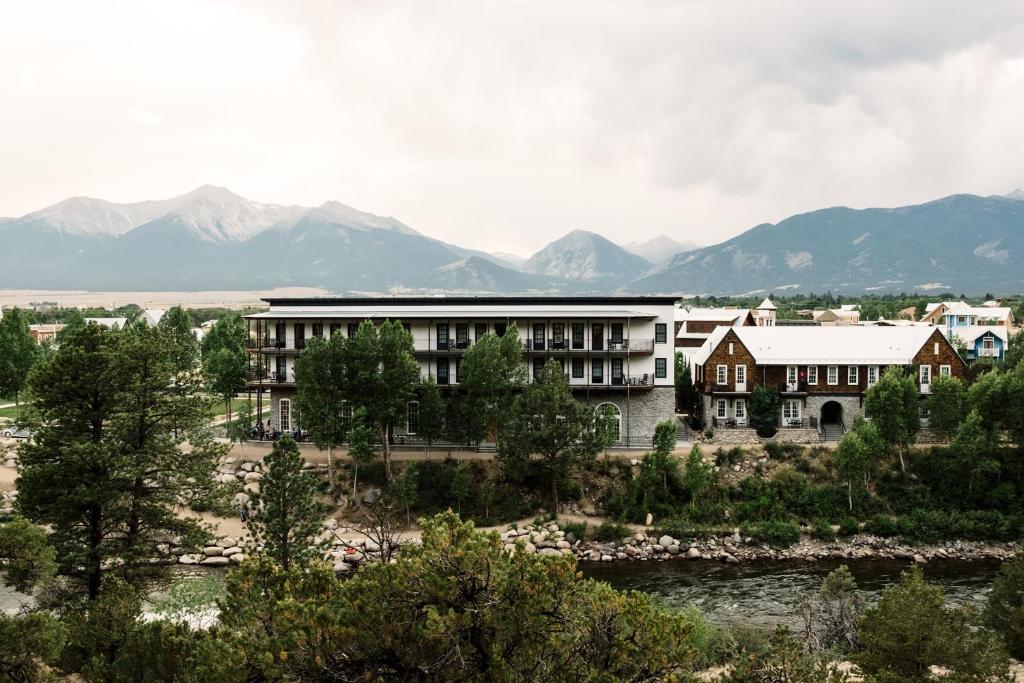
{"points": [[611, 531], [781, 451], [767, 431], [822, 530], [848, 526], [1004, 611], [709, 434], [773, 532], [577, 529], [729, 457], [882, 525]]}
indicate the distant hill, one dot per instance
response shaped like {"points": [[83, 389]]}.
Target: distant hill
{"points": [[659, 249], [587, 256], [959, 243], [211, 238]]}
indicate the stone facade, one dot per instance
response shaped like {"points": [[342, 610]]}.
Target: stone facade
{"points": [[852, 406], [641, 413]]}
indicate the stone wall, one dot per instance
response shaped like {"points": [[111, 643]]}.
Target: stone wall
{"points": [[745, 437], [640, 414], [851, 406]]}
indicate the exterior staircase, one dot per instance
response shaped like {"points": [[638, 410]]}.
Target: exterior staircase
{"points": [[830, 431]]}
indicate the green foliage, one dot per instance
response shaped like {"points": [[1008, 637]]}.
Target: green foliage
{"points": [[783, 660], [831, 613], [224, 371], [407, 488], [361, 447], [578, 530], [18, 351], [1004, 610], [947, 406], [658, 488], [848, 526], [778, 533], [456, 608], [822, 530], [432, 413], [29, 641], [26, 558], [882, 525], [687, 397], [897, 648], [459, 489], [780, 450], [892, 404], [177, 324], [765, 404], [548, 423], [106, 470], [287, 516], [856, 455], [322, 391], [729, 457], [491, 373], [698, 476], [609, 531]]}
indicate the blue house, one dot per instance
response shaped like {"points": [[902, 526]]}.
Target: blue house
{"points": [[982, 341]]}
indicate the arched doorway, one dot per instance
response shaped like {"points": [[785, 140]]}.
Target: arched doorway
{"points": [[832, 413], [613, 412]]}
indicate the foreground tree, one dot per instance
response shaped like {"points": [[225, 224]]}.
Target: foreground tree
{"points": [[459, 607], [490, 374], [831, 613], [432, 414], [1004, 610], [18, 351], [947, 406], [857, 454], [287, 517], [783, 661], [321, 393], [765, 405], [105, 468], [893, 404], [547, 422], [382, 374], [899, 648]]}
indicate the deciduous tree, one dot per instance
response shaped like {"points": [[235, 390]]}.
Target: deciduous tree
{"points": [[490, 375], [893, 404], [18, 351], [322, 392], [947, 406]]}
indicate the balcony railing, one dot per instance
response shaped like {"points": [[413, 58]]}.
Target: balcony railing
{"points": [[793, 387], [990, 353], [300, 344]]}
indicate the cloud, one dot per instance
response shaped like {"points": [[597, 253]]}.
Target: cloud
{"points": [[504, 125]]}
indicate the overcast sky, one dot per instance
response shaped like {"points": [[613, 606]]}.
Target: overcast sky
{"points": [[502, 125]]}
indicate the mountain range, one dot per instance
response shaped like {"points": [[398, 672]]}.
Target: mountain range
{"points": [[211, 238]]}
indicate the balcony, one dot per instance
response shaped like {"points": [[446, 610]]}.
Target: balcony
{"points": [[300, 344], [793, 388], [988, 353], [265, 378]]}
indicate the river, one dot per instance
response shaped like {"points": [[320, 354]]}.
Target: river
{"points": [[769, 593], [763, 594]]}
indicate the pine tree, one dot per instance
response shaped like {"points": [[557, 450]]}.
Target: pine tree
{"points": [[432, 414], [18, 351], [287, 517], [360, 445]]}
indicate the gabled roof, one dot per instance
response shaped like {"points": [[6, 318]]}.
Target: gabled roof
{"points": [[974, 332], [812, 345], [729, 315], [766, 305]]}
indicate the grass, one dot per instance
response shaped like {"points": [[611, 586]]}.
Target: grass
{"points": [[219, 407]]}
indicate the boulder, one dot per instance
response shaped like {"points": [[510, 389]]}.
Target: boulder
{"points": [[666, 541], [372, 496], [692, 554], [227, 542], [237, 558], [190, 559], [234, 550], [252, 476], [341, 567], [216, 561], [213, 551], [673, 549]]}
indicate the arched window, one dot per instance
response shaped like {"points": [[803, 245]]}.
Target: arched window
{"points": [[612, 411], [284, 415]]}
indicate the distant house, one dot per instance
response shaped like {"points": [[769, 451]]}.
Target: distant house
{"points": [[694, 324], [45, 332], [764, 314], [821, 373], [110, 323], [152, 316], [844, 315], [984, 329]]}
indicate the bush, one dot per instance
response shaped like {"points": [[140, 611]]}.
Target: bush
{"points": [[730, 457], [577, 529], [611, 531], [822, 530], [778, 533], [781, 451], [767, 431], [848, 526], [882, 525], [1004, 611], [709, 434]]}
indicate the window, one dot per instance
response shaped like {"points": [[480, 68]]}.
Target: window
{"points": [[284, 415], [352, 329], [791, 410], [479, 330], [741, 409], [282, 368], [538, 337], [318, 330], [300, 335], [538, 367], [872, 375], [730, 348], [617, 378], [852, 375], [597, 371], [346, 414], [442, 336], [660, 368], [612, 412], [500, 328], [412, 420], [723, 374], [833, 374], [280, 332], [597, 337], [926, 375], [616, 333], [442, 371], [741, 374], [812, 374], [577, 335], [987, 343], [791, 375], [660, 333], [721, 409], [462, 335], [961, 320], [936, 349], [577, 368], [558, 335], [945, 370], [334, 329]]}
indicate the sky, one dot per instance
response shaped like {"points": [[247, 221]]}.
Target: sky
{"points": [[503, 125]]}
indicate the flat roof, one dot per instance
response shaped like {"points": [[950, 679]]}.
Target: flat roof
{"points": [[399, 312], [473, 301]]}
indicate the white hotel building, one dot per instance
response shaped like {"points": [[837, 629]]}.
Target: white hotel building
{"points": [[614, 350]]}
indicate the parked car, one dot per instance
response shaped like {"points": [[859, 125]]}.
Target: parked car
{"points": [[12, 432]]}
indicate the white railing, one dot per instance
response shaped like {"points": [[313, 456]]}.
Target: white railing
{"points": [[992, 353]]}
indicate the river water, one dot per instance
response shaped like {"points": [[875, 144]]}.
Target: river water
{"points": [[762, 594], [769, 594]]}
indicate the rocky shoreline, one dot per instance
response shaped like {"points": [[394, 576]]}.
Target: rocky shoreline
{"points": [[550, 539]]}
